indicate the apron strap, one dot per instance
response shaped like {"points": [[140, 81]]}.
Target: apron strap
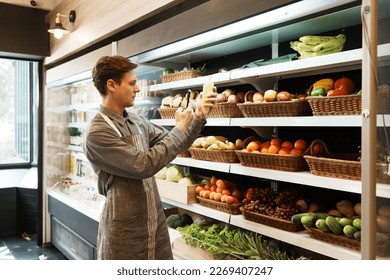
{"points": [[110, 123]]}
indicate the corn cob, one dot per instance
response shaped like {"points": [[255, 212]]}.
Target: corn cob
{"points": [[316, 40]]}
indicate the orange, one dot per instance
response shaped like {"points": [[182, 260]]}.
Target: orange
{"points": [[287, 144], [213, 180], [211, 196], [223, 197], [276, 142], [199, 189], [264, 150], [265, 145], [300, 144], [208, 186], [296, 152], [252, 146], [206, 194], [227, 192], [217, 196], [213, 188], [229, 199], [273, 149], [284, 151]]}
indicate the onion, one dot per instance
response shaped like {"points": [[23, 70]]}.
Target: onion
{"points": [[258, 97], [228, 92], [221, 97], [232, 99]]}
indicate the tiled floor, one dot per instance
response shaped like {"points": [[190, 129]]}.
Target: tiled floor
{"points": [[18, 248]]}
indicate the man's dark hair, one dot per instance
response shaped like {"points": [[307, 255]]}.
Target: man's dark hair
{"points": [[110, 67]]}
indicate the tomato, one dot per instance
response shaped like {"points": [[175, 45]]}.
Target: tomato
{"points": [[342, 86]]}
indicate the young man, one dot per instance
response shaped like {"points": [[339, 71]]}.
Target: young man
{"points": [[126, 151]]}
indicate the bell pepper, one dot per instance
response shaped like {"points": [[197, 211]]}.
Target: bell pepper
{"points": [[318, 91], [342, 86]]}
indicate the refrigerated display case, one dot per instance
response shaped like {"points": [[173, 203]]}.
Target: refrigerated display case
{"points": [[342, 16]]}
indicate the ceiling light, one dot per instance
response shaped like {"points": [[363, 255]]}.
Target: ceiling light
{"points": [[58, 30]]}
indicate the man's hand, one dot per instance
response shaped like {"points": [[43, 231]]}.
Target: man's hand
{"points": [[183, 118]]}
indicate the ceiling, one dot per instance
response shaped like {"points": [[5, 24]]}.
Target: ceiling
{"points": [[38, 4]]}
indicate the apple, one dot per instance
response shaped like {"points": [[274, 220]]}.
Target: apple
{"points": [[270, 95], [283, 96]]}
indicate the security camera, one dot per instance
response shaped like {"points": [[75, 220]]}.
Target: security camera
{"points": [[33, 3]]}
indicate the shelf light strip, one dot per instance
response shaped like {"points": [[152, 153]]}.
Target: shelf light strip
{"points": [[264, 20]]}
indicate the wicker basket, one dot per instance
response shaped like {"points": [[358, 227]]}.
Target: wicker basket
{"points": [[271, 221], [227, 156], [343, 166], [336, 105], [182, 75], [291, 163], [225, 110], [346, 104], [233, 209], [167, 113], [383, 248], [340, 165], [276, 109]]}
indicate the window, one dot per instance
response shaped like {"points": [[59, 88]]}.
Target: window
{"points": [[18, 111]]}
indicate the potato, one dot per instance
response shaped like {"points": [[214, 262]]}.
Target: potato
{"points": [[384, 210], [345, 207], [313, 207], [335, 213], [383, 223], [358, 209], [302, 205]]}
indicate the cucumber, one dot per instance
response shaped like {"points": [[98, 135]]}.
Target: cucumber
{"points": [[357, 223], [321, 224], [308, 221], [345, 221], [357, 235], [334, 225], [319, 215], [349, 231], [296, 218]]}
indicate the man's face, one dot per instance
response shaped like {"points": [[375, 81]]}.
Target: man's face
{"points": [[126, 91]]}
